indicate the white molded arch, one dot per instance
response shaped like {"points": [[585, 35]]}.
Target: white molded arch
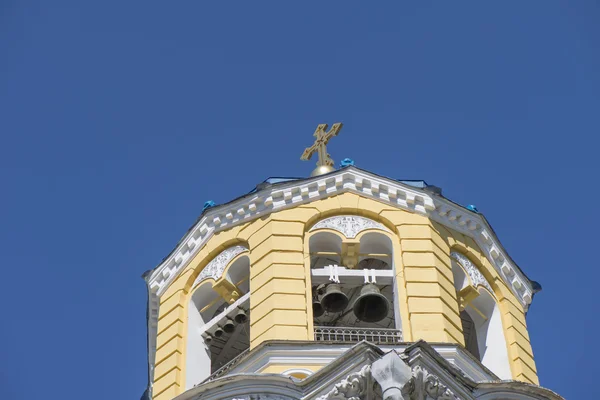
{"points": [[348, 225], [377, 243], [325, 242], [234, 265], [238, 273], [298, 373]]}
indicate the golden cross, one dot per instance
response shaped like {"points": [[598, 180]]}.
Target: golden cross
{"points": [[320, 145]]}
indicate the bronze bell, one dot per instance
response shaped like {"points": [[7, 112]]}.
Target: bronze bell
{"points": [[334, 300], [317, 308], [219, 332], [241, 317], [229, 326], [371, 305]]}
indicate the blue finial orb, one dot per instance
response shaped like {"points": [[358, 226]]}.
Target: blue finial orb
{"points": [[346, 162], [472, 207], [208, 204]]}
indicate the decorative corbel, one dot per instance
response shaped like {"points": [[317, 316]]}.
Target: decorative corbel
{"points": [[227, 291], [350, 251], [466, 295]]}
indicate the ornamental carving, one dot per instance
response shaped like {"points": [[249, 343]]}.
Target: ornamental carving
{"points": [[261, 397], [477, 278], [348, 225], [354, 387], [215, 268], [424, 386]]}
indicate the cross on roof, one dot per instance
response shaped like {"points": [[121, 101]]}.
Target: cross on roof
{"points": [[320, 145]]}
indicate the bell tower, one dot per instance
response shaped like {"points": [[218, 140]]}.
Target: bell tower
{"points": [[343, 285]]}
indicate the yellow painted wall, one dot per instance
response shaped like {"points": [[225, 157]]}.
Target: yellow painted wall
{"points": [[280, 303]]}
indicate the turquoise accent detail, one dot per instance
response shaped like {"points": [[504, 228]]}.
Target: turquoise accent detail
{"points": [[208, 204], [346, 162], [472, 207]]}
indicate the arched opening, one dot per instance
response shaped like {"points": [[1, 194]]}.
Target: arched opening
{"points": [[470, 334], [298, 374], [218, 329], [203, 304], [325, 249], [480, 317], [354, 290]]}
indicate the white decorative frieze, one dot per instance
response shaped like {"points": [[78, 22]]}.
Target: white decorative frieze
{"points": [[354, 387], [215, 268], [477, 278], [261, 397], [425, 386], [349, 225]]}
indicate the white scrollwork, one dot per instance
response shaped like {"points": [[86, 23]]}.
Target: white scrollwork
{"points": [[354, 387], [424, 386], [476, 276], [215, 267], [349, 225], [261, 397]]}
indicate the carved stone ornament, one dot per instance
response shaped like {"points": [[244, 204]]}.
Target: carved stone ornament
{"points": [[215, 268], [261, 397], [477, 278], [425, 386], [354, 387], [348, 225]]}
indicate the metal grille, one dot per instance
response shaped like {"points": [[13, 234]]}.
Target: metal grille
{"points": [[353, 335]]}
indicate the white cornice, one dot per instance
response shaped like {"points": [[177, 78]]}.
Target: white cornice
{"points": [[349, 179], [322, 355]]}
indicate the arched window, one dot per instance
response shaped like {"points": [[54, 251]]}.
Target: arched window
{"points": [[353, 281], [299, 374], [480, 317], [218, 315]]}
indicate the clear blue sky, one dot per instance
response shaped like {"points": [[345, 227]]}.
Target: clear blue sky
{"points": [[119, 119]]}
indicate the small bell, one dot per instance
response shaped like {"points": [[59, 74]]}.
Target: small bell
{"points": [[219, 332], [241, 317], [229, 326], [334, 300], [317, 308]]}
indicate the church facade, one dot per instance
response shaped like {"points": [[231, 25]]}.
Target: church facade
{"points": [[343, 285]]}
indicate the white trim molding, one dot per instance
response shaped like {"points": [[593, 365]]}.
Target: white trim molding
{"points": [[476, 277], [348, 225], [214, 269]]}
